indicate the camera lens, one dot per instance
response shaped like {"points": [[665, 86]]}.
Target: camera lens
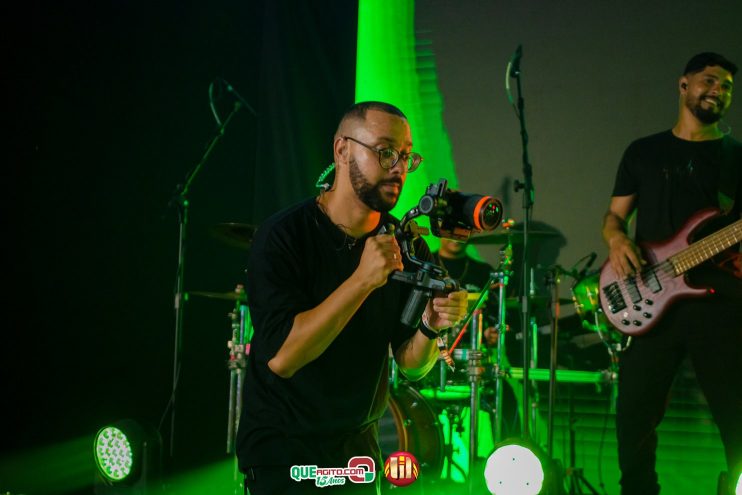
{"points": [[482, 212]]}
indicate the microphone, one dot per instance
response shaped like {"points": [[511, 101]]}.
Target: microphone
{"points": [[583, 272], [243, 102], [515, 62]]}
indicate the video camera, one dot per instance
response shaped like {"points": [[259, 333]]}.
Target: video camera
{"points": [[453, 215]]}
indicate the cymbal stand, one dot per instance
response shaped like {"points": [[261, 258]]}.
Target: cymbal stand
{"points": [[503, 277], [475, 371], [239, 349]]}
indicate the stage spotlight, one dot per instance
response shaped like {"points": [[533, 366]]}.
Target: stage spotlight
{"points": [[516, 467], [127, 457], [113, 455]]}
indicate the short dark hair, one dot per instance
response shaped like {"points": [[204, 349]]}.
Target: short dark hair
{"points": [[358, 110], [708, 59]]}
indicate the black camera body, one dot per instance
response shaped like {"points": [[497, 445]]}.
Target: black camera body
{"points": [[453, 215]]}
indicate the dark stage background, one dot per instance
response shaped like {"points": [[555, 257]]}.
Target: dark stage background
{"points": [[108, 111]]}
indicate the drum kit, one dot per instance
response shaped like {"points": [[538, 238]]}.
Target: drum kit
{"points": [[433, 418]]}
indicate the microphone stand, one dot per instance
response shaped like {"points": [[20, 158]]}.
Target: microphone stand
{"points": [[179, 199], [528, 200]]}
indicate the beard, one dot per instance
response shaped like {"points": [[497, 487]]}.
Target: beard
{"points": [[371, 194], [709, 115]]}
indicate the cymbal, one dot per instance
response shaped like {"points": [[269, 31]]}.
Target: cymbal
{"points": [[237, 235], [503, 236], [227, 296]]}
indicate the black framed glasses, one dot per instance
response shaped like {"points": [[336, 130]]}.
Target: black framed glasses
{"points": [[389, 157]]}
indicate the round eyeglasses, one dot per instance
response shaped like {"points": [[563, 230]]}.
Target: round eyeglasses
{"points": [[389, 157]]}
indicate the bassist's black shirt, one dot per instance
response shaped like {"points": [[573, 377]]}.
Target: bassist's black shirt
{"points": [[673, 179]]}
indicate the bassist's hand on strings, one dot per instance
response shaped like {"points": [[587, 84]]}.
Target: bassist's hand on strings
{"points": [[625, 257]]}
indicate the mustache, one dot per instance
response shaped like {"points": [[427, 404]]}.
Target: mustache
{"points": [[393, 180]]}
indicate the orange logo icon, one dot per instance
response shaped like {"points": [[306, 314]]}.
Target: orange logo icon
{"points": [[401, 468]]}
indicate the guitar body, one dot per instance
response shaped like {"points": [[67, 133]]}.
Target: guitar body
{"points": [[636, 304]]}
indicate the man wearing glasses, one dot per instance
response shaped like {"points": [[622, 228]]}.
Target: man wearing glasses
{"points": [[325, 314]]}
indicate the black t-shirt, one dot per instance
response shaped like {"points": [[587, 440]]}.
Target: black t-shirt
{"points": [[327, 411], [673, 179]]}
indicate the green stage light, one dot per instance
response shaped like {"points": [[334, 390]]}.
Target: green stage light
{"points": [[127, 458], [738, 490], [113, 454], [515, 468]]}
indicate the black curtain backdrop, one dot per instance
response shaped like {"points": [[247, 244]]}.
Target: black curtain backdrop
{"points": [[108, 111]]}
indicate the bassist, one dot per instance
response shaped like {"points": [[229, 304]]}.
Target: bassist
{"points": [[662, 181]]}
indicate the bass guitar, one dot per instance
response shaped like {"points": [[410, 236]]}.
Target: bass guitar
{"points": [[635, 304]]}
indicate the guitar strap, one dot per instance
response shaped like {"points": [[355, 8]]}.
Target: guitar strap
{"points": [[729, 175]]}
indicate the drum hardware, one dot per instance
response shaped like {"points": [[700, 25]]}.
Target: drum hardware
{"points": [[586, 298], [455, 421], [585, 294], [552, 280], [474, 372], [239, 349], [502, 277], [566, 376], [475, 357]]}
